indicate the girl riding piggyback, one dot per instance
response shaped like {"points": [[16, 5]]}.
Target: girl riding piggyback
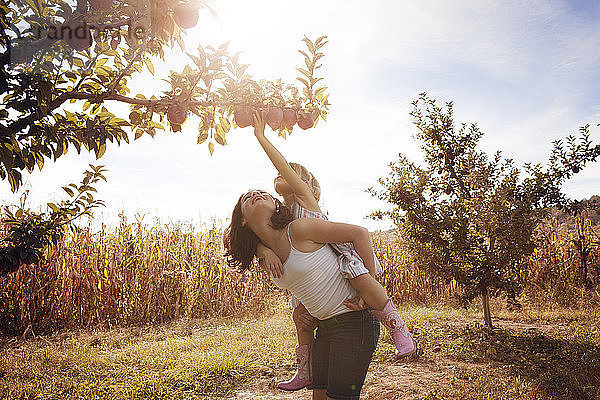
{"points": [[301, 193]]}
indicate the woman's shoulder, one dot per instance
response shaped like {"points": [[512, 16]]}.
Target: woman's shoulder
{"points": [[300, 226], [301, 231]]}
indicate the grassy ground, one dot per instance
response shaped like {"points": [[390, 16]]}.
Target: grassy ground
{"points": [[533, 354]]}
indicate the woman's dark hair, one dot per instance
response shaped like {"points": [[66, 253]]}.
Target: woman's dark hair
{"points": [[240, 241]]}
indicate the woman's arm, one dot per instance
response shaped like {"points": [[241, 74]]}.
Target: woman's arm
{"points": [[300, 188], [320, 231]]}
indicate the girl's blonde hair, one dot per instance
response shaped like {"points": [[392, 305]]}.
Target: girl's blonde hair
{"points": [[307, 177]]}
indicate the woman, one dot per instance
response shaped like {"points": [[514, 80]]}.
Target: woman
{"points": [[345, 339]]}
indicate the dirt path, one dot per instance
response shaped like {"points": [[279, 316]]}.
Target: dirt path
{"points": [[409, 380], [385, 381]]}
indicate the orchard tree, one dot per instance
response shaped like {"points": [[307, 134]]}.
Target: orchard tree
{"points": [[471, 217], [29, 235], [63, 63]]}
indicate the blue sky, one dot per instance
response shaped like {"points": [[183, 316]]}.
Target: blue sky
{"points": [[526, 72]]}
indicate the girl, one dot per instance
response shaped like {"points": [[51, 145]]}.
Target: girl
{"points": [[301, 192], [346, 339]]}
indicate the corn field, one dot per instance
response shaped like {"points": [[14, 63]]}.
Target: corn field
{"points": [[134, 275], [566, 256], [138, 274]]}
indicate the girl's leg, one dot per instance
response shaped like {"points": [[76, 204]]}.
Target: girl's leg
{"points": [[303, 376], [375, 296], [370, 290], [305, 336]]}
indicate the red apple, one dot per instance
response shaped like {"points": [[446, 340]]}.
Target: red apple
{"points": [[305, 121], [101, 5], [289, 118], [242, 118], [77, 35], [185, 15], [274, 117], [176, 114]]}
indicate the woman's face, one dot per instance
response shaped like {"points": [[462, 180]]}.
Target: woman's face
{"points": [[257, 205]]}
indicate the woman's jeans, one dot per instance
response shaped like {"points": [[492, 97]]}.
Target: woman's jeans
{"points": [[342, 353]]}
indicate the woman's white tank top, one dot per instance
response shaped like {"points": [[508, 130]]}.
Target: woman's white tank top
{"points": [[315, 279]]}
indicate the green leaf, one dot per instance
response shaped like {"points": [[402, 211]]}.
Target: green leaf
{"points": [[304, 72], [304, 54], [304, 81], [308, 63], [319, 41], [309, 44], [149, 65], [220, 136], [320, 90], [40, 162], [202, 138], [68, 190], [225, 124], [101, 150]]}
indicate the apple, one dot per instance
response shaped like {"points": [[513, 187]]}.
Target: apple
{"points": [[274, 117], [185, 15], [242, 118], [176, 114], [289, 118], [77, 35], [305, 121], [101, 5]]}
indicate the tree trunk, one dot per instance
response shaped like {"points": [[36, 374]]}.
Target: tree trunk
{"points": [[487, 315]]}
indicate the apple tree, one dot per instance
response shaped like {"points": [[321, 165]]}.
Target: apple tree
{"points": [[471, 217], [65, 63]]}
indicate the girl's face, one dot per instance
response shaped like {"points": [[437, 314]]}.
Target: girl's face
{"points": [[256, 205], [282, 187]]}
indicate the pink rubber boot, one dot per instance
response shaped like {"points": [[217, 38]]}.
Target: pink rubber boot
{"points": [[389, 317], [303, 376]]}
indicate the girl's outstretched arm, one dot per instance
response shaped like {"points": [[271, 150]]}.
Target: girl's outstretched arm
{"points": [[301, 190]]}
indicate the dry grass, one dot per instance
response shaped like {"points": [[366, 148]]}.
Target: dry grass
{"points": [[555, 358]]}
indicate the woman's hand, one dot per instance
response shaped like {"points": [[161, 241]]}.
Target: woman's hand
{"points": [[271, 263], [357, 303], [304, 320], [259, 118]]}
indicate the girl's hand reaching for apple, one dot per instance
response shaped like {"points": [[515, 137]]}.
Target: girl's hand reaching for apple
{"points": [[259, 118]]}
